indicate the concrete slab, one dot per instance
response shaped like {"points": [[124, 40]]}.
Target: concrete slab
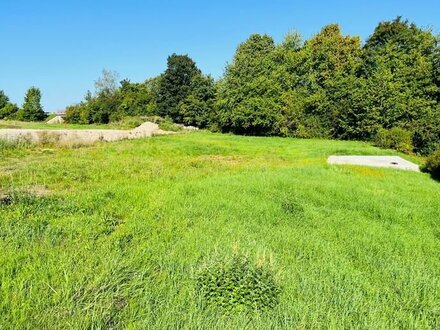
{"points": [[375, 161]]}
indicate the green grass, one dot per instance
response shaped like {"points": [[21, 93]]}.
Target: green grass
{"points": [[127, 226]]}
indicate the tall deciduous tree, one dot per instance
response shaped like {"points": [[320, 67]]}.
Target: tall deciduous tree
{"points": [[175, 85], [328, 61], [401, 57], [107, 83], [4, 99], [32, 108], [249, 96], [137, 98], [197, 108], [101, 107]]}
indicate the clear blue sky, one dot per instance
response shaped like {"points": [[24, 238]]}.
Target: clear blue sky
{"points": [[61, 46]]}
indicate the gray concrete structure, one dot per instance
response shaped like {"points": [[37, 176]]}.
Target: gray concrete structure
{"points": [[375, 161]]}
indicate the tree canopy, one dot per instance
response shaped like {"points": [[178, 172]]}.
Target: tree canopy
{"points": [[327, 86], [32, 108], [8, 110], [175, 85]]}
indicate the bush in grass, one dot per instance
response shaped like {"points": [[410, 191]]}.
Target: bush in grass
{"points": [[432, 164], [165, 124], [238, 285], [168, 125], [129, 122], [395, 138]]}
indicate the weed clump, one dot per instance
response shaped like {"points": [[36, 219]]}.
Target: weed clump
{"points": [[128, 122], [292, 206], [5, 199], [237, 285]]}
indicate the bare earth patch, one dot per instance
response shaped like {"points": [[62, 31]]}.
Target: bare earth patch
{"points": [[70, 136], [7, 196]]}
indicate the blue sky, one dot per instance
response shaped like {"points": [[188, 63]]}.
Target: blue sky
{"points": [[61, 46]]}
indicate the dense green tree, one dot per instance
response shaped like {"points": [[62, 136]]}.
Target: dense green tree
{"points": [[436, 67], [4, 99], [401, 59], [74, 113], [138, 99], [329, 61], [32, 108], [249, 96], [175, 85], [105, 104], [101, 107], [198, 107], [7, 110]]}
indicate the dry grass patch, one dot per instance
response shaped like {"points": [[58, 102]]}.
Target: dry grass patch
{"points": [[228, 159]]}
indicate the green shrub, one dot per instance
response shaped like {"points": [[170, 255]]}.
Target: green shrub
{"points": [[154, 119], [129, 122], [165, 124], [395, 138], [432, 164], [426, 137], [238, 285], [77, 114], [168, 125], [8, 111]]}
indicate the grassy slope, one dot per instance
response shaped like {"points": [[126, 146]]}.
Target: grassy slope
{"points": [[118, 241]]}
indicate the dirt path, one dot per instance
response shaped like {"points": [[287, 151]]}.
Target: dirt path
{"points": [[71, 136]]}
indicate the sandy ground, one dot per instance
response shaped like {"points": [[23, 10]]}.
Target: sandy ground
{"points": [[375, 161], [71, 136]]}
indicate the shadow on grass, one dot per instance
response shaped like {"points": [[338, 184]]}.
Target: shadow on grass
{"points": [[435, 175]]}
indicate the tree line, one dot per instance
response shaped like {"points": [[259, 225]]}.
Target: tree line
{"points": [[329, 86], [32, 110]]}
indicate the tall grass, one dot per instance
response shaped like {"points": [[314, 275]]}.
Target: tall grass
{"points": [[9, 145], [120, 240]]}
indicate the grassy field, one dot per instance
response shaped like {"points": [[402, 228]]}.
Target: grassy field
{"points": [[114, 235]]}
